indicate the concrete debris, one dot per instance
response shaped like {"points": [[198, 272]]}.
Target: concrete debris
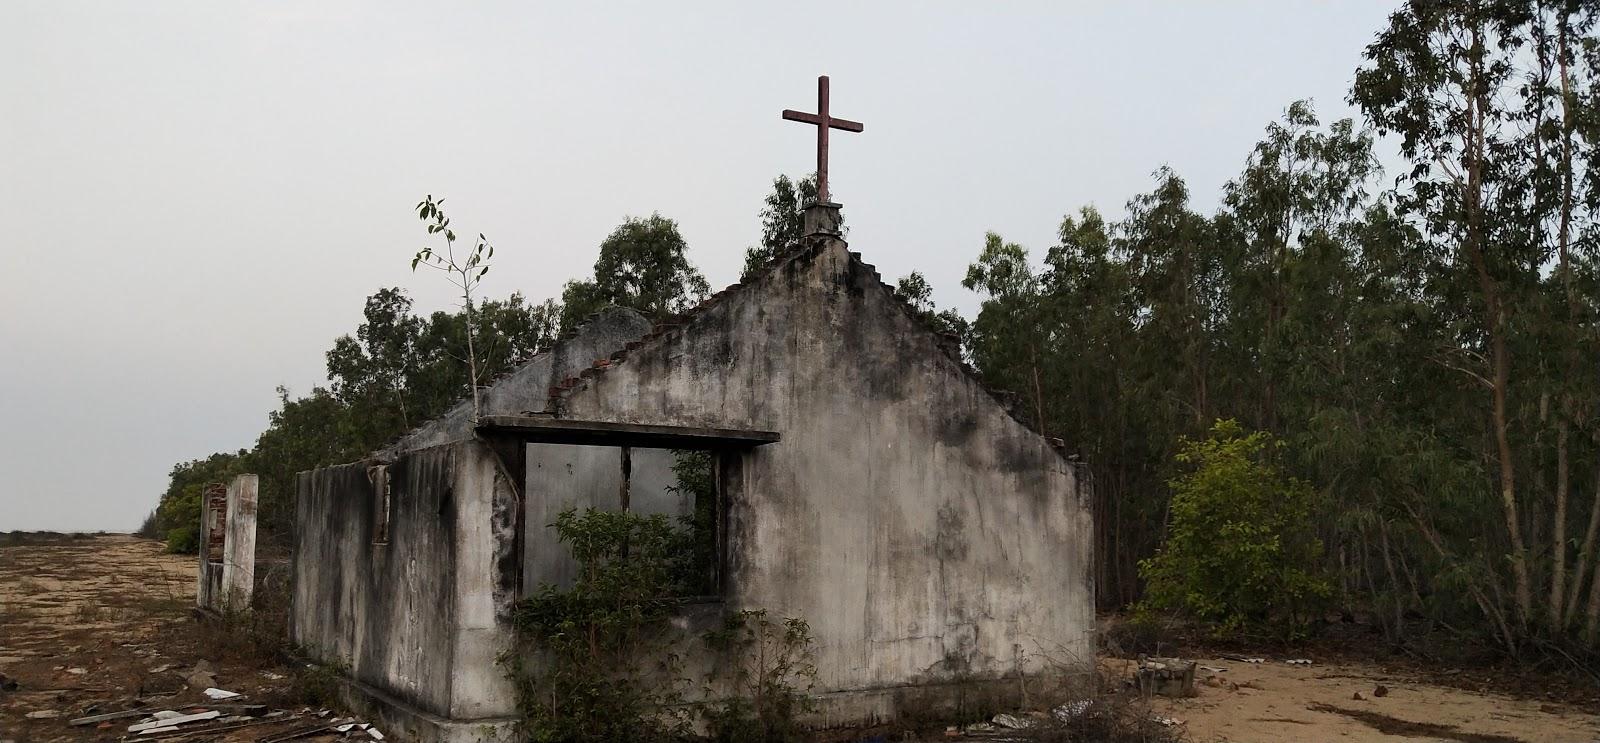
{"points": [[200, 679], [77, 671], [44, 714], [1011, 722], [93, 719], [1168, 677], [1213, 669], [1244, 659], [1298, 662], [1071, 710], [1357, 696], [162, 721], [215, 693]]}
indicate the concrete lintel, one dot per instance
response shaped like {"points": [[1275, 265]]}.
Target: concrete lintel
{"points": [[547, 430]]}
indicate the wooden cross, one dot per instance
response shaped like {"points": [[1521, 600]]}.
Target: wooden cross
{"points": [[823, 122]]}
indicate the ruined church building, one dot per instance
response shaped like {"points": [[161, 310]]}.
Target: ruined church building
{"points": [[865, 481]]}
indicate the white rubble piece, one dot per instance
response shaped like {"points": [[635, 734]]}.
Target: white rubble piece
{"points": [[174, 721], [1012, 722]]}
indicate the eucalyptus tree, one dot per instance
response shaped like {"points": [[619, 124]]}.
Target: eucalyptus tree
{"points": [[1492, 102], [644, 265]]}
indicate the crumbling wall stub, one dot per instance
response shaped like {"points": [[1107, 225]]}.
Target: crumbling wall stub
{"points": [[213, 539], [239, 550], [926, 535], [227, 545]]}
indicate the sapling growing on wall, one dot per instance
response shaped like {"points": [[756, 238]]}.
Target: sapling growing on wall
{"points": [[464, 274]]}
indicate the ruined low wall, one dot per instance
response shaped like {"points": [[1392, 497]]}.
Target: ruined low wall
{"points": [[421, 617], [379, 608]]}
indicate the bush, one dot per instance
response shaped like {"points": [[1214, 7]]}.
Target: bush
{"points": [[606, 667], [183, 540], [767, 667], [599, 641], [1240, 551]]}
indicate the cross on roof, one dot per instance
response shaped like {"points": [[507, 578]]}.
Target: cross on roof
{"points": [[823, 122]]}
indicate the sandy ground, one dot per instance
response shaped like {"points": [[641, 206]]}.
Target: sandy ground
{"points": [[104, 624], [91, 625], [1274, 701]]}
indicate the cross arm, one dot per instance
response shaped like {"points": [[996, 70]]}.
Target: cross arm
{"points": [[815, 120]]}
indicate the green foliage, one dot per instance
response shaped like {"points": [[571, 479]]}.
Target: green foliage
{"points": [[1240, 550], [696, 480], [782, 221], [765, 667], [465, 273], [177, 518], [643, 265], [604, 672], [916, 290], [600, 660]]}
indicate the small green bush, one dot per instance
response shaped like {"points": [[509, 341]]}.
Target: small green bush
{"points": [[767, 669], [1240, 551], [183, 540], [604, 675], [605, 660]]}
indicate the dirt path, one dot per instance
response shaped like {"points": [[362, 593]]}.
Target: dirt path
{"points": [[1274, 701], [90, 625]]}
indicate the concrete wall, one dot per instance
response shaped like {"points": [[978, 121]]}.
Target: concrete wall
{"points": [[925, 534], [239, 547], [385, 610]]}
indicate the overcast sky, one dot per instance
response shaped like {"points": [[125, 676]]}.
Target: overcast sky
{"points": [[195, 198]]}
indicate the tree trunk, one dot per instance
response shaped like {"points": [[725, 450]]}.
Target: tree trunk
{"points": [[1585, 555], [1558, 529], [1500, 359], [472, 355], [1591, 630]]}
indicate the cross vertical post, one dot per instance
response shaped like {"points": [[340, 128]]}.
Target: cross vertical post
{"points": [[824, 121]]}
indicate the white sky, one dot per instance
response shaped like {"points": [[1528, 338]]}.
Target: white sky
{"points": [[195, 198]]}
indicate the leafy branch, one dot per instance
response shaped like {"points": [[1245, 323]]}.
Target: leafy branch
{"points": [[464, 274]]}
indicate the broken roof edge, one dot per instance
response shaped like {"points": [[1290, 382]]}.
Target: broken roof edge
{"points": [[461, 409], [806, 248]]}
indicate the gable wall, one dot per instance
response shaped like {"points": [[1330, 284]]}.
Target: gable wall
{"points": [[925, 534]]}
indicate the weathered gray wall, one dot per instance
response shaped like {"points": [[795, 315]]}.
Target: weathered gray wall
{"points": [[386, 610], [924, 533], [239, 546]]}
